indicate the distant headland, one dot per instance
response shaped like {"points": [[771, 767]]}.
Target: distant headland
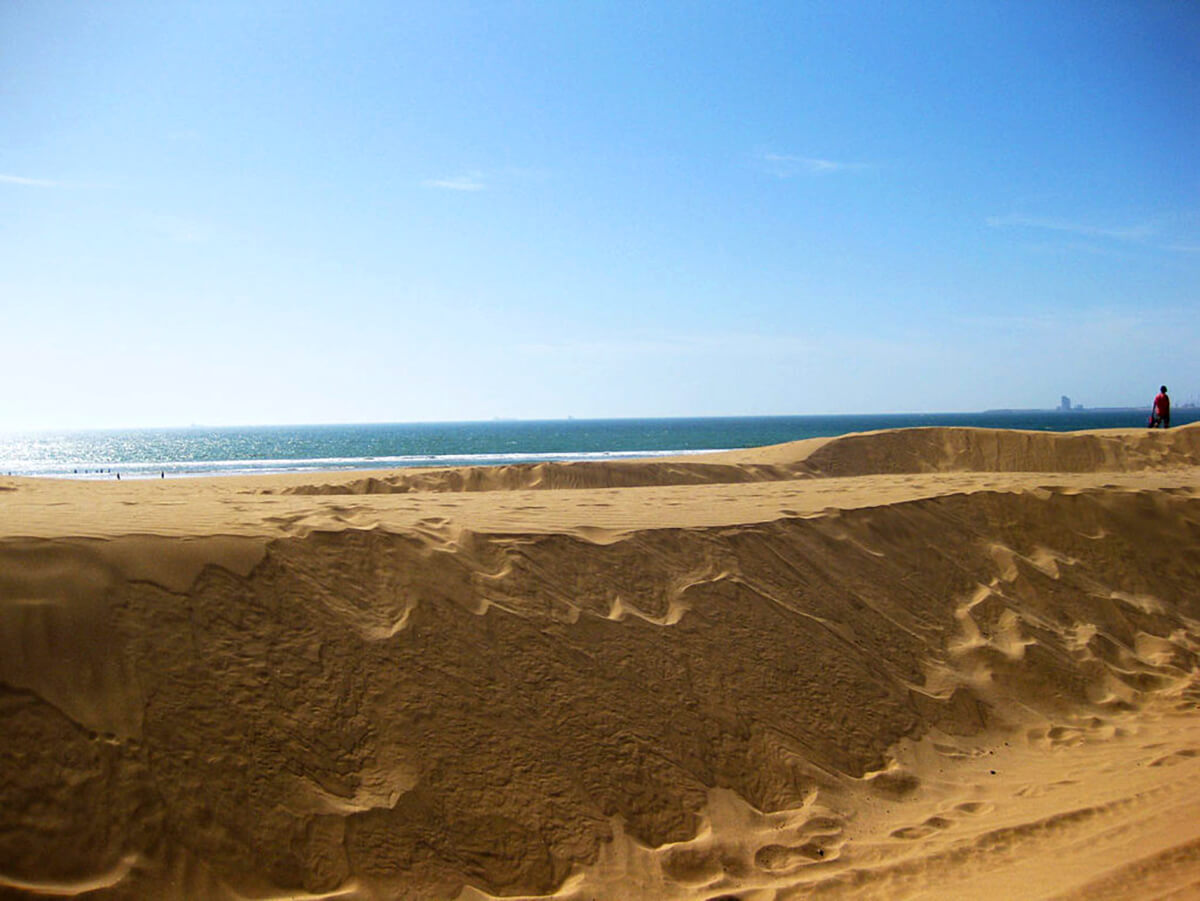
{"points": [[1065, 406]]}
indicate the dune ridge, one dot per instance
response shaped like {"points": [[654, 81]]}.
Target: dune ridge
{"points": [[951, 688], [917, 450]]}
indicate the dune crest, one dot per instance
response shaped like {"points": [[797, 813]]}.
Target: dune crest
{"points": [[918, 450], [945, 691]]}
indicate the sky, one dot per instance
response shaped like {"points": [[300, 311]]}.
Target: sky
{"points": [[239, 213]]}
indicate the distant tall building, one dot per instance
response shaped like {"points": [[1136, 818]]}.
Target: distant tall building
{"points": [[1065, 406]]}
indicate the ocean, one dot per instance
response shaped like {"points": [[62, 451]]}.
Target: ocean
{"points": [[195, 451]]}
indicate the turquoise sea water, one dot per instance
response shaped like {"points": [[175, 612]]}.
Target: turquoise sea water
{"points": [[146, 453]]}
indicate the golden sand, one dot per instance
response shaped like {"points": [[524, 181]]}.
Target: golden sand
{"points": [[925, 663]]}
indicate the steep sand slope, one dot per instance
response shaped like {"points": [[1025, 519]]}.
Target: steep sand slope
{"points": [[925, 663]]}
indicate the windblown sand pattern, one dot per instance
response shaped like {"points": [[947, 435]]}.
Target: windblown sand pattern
{"points": [[929, 663]]}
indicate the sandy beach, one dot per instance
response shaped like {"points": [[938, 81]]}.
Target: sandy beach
{"points": [[923, 663]]}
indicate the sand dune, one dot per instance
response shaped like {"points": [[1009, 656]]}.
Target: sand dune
{"points": [[923, 450], [928, 663]]}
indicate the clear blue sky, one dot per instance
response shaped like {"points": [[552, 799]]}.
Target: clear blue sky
{"points": [[291, 212]]}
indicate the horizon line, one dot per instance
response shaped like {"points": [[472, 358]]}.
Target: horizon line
{"points": [[496, 420]]}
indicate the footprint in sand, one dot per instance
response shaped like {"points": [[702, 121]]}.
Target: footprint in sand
{"points": [[1055, 737], [820, 839], [942, 821], [1177, 757], [1037, 791], [1189, 699], [973, 807], [956, 753], [433, 524], [927, 828], [285, 523]]}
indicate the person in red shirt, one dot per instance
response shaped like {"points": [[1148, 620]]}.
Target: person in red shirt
{"points": [[1161, 417]]}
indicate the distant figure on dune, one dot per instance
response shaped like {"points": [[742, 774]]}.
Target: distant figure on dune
{"points": [[1160, 418]]}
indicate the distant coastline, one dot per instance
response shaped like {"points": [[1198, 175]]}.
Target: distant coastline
{"points": [[1017, 411]]}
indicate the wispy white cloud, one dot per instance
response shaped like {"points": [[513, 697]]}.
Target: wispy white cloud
{"points": [[1120, 233], [786, 165], [470, 181], [30, 182]]}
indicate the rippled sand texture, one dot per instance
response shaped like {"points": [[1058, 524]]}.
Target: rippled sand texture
{"points": [[928, 663]]}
